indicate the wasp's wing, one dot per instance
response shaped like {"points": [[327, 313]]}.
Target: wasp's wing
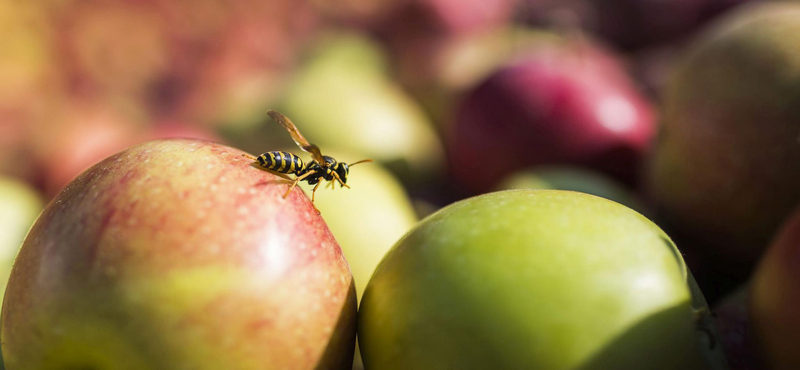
{"points": [[298, 138]]}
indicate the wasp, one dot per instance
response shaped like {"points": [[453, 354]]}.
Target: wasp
{"points": [[321, 167]]}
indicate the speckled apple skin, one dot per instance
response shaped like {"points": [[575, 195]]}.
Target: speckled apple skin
{"points": [[178, 254]]}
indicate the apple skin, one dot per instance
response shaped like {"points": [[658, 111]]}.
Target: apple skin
{"points": [[566, 102], [724, 172], [178, 254], [775, 298], [532, 279]]}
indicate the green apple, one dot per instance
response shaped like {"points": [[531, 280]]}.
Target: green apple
{"points": [[177, 255], [726, 169], [775, 298], [19, 207], [534, 279], [343, 97], [573, 179]]}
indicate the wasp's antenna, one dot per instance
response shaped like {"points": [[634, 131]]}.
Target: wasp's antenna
{"points": [[361, 161]]}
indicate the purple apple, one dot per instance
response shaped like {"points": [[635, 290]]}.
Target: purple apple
{"points": [[178, 254], [775, 298], [565, 102]]}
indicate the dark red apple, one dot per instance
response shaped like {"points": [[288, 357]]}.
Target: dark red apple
{"points": [[564, 102], [629, 24], [178, 254], [736, 331], [775, 298], [726, 169]]}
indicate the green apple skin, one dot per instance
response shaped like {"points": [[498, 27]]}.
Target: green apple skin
{"points": [[532, 279], [179, 254], [775, 298], [725, 171], [343, 97], [19, 206], [572, 179], [366, 219]]}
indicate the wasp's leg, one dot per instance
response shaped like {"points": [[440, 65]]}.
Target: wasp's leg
{"points": [[249, 156], [314, 191], [331, 185], [336, 175], [296, 180]]}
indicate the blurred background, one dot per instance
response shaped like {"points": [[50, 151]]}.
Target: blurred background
{"points": [[452, 98]]}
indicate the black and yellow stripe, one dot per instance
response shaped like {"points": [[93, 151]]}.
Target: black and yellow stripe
{"points": [[282, 162]]}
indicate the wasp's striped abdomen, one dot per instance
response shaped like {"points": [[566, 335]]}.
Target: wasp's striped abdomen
{"points": [[282, 162]]}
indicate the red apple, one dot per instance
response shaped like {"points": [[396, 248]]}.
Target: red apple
{"points": [[564, 102], [775, 298], [178, 254]]}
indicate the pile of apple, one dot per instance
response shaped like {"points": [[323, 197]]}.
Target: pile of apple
{"points": [[565, 185]]}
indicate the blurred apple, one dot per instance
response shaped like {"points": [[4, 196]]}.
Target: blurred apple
{"points": [[573, 179], [726, 169], [178, 254], [634, 24], [366, 219], [19, 206], [736, 331], [466, 15], [458, 63], [775, 298], [28, 78], [565, 102], [363, 12], [342, 97], [236, 67], [116, 48], [78, 135], [533, 279], [654, 67], [628, 24]]}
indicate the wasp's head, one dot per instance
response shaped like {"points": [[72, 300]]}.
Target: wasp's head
{"points": [[342, 170]]}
